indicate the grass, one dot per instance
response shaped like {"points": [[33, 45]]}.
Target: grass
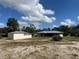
{"points": [[25, 42], [65, 38], [70, 38], [9, 44], [40, 38], [37, 41]]}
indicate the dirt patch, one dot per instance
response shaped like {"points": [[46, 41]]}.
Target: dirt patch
{"points": [[10, 49]]}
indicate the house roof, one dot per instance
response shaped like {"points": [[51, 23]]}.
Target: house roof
{"points": [[19, 32], [51, 32]]}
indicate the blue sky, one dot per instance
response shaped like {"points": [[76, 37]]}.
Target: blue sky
{"points": [[66, 12], [64, 9]]}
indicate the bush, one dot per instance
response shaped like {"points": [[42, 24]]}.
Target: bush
{"points": [[0, 36], [56, 38]]}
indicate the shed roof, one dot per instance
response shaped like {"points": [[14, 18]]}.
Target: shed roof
{"points": [[51, 32], [19, 32]]}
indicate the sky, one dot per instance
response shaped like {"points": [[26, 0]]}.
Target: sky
{"points": [[41, 13]]}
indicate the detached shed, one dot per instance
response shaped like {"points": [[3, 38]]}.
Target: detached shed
{"points": [[19, 35]]}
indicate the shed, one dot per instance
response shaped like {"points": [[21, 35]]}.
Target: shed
{"points": [[19, 35], [49, 33]]}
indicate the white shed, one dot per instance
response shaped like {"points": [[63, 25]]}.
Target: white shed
{"points": [[19, 35]]}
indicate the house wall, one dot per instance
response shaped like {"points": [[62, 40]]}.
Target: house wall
{"points": [[28, 36], [10, 36], [49, 34], [21, 36], [18, 36]]}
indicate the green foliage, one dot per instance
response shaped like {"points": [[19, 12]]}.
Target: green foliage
{"points": [[12, 24], [24, 28], [0, 33], [5, 30], [0, 36], [65, 29], [72, 31], [56, 28], [30, 30], [46, 29]]}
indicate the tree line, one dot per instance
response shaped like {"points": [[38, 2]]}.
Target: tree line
{"points": [[68, 31], [13, 25]]}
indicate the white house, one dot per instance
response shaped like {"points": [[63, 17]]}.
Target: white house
{"points": [[19, 35]]}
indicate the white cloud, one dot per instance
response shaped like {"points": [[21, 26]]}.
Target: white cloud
{"points": [[78, 18], [53, 18], [68, 22], [33, 11], [37, 19], [21, 24], [37, 25], [2, 25], [49, 12], [55, 26]]}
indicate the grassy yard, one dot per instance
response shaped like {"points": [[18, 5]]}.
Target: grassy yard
{"points": [[65, 38], [69, 38], [32, 41], [36, 41]]}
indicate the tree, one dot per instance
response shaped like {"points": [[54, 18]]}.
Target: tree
{"points": [[77, 26], [12, 24], [56, 28], [65, 29], [32, 26], [77, 30], [5, 30], [31, 29], [72, 31], [46, 29], [0, 33], [24, 28]]}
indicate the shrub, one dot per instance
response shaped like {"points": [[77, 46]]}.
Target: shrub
{"points": [[0, 36], [56, 38]]}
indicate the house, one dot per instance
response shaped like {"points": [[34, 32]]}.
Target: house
{"points": [[50, 33], [19, 35]]}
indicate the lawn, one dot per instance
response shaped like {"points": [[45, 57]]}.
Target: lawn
{"points": [[65, 38], [37, 41], [25, 42], [70, 38]]}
